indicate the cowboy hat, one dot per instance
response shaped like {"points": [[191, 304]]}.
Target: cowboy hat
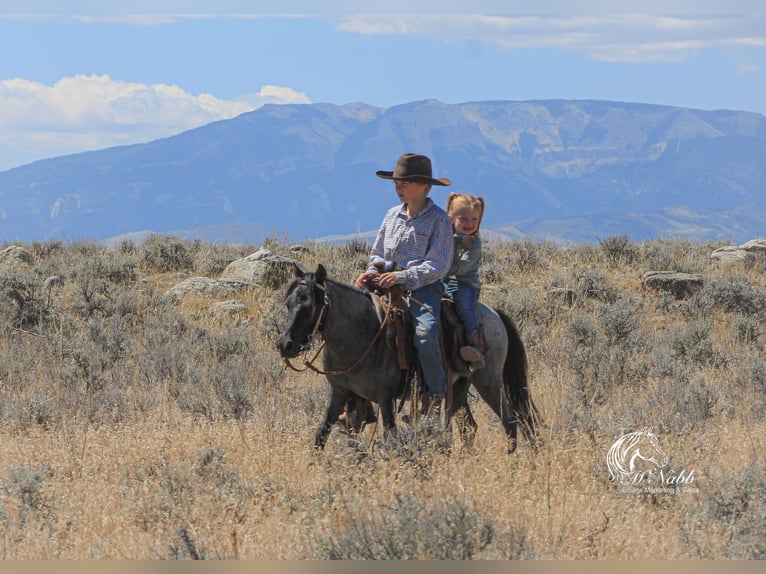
{"points": [[413, 167]]}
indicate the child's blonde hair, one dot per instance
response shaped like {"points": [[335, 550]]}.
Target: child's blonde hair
{"points": [[458, 202]]}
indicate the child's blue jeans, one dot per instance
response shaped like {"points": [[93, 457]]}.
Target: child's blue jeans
{"points": [[465, 297]]}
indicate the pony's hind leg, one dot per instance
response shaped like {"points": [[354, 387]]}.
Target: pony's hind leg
{"points": [[494, 395], [358, 413]]}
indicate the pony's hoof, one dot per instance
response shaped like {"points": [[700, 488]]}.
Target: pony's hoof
{"points": [[319, 440]]}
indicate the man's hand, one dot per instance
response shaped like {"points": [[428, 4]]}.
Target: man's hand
{"points": [[364, 279], [388, 280]]}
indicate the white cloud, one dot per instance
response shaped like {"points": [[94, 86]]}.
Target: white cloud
{"points": [[87, 112], [627, 31], [274, 95], [625, 37]]}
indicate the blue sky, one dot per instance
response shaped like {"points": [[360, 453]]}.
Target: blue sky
{"points": [[83, 75]]}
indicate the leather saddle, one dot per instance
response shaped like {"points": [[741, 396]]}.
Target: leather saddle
{"points": [[399, 329]]}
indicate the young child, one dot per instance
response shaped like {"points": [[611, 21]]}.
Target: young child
{"points": [[462, 282], [414, 249]]}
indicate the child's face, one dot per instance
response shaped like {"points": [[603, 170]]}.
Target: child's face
{"points": [[411, 192], [466, 222]]}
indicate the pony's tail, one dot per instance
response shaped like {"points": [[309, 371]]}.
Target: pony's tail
{"points": [[515, 381]]}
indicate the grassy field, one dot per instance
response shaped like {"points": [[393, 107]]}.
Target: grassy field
{"points": [[136, 427]]}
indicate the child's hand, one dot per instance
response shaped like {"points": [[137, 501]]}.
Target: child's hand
{"points": [[467, 241]]}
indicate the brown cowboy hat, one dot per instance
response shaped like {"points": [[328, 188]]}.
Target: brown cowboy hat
{"points": [[413, 167]]}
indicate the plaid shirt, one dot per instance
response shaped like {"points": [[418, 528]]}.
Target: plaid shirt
{"points": [[419, 249]]}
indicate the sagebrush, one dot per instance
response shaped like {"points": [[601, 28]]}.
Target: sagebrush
{"points": [[138, 427]]}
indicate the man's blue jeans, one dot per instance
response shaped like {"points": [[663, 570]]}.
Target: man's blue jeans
{"points": [[427, 337]]}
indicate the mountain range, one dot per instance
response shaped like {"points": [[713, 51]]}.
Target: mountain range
{"points": [[563, 170]]}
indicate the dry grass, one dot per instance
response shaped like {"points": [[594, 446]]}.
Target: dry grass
{"points": [[135, 428]]}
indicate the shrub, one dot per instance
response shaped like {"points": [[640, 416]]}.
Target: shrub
{"points": [[732, 295], [593, 284], [521, 305], [619, 320], [25, 485], [407, 530], [738, 502], [693, 342], [162, 253], [618, 249], [21, 290]]}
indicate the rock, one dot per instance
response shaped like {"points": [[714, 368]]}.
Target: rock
{"points": [[256, 270], [231, 306], [754, 246], [261, 270], [733, 254], [262, 253], [15, 256], [53, 281], [206, 287], [680, 285]]}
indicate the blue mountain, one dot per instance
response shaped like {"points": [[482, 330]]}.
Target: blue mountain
{"points": [[307, 171]]}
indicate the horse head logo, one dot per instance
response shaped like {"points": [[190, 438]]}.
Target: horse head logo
{"points": [[629, 457]]}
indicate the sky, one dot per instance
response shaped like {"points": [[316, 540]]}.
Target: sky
{"points": [[82, 75]]}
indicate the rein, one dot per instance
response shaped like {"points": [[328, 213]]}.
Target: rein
{"points": [[309, 363]]}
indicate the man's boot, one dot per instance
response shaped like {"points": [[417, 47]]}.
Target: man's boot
{"points": [[474, 352]]}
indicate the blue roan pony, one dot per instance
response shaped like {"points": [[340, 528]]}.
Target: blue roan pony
{"points": [[358, 361]]}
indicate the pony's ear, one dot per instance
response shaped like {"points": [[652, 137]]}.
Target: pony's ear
{"points": [[321, 274], [299, 274]]}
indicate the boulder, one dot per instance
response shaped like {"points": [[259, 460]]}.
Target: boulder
{"points": [[206, 287], [754, 246], [15, 256], [680, 285], [733, 254], [261, 269]]}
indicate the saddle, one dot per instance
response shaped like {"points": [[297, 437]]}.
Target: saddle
{"points": [[399, 329]]}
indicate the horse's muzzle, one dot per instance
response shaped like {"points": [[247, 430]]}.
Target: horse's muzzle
{"points": [[288, 349]]}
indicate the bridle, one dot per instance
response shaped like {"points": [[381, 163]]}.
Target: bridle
{"points": [[308, 364]]}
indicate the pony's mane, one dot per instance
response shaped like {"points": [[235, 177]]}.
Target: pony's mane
{"points": [[349, 287], [309, 279]]}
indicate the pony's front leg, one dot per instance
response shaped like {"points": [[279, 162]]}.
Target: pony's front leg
{"points": [[335, 405], [389, 419]]}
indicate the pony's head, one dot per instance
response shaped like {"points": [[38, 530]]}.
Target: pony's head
{"points": [[304, 299]]}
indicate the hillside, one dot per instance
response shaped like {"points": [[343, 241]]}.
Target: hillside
{"points": [[547, 169], [137, 425]]}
